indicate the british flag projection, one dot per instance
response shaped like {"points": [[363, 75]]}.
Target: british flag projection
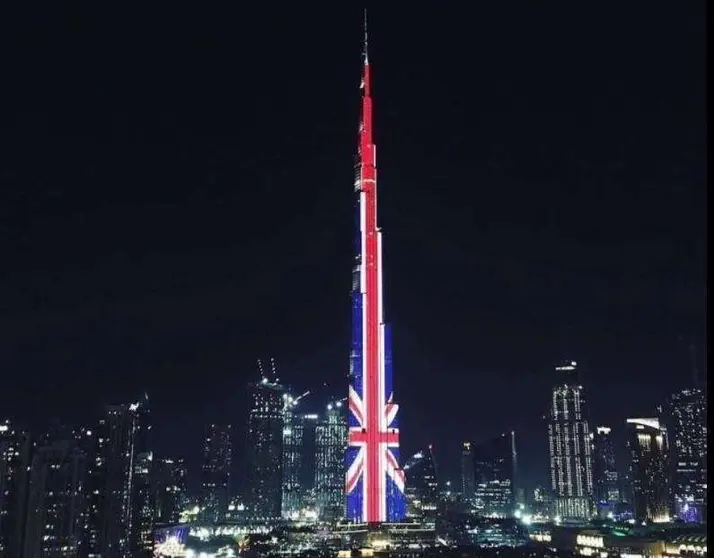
{"points": [[374, 480]]}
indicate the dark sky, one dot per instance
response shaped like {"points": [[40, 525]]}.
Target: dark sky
{"points": [[176, 201]]}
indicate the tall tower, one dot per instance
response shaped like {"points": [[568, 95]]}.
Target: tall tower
{"points": [[570, 446], [685, 418], [648, 446], [216, 471], [605, 477], [264, 465], [374, 481]]}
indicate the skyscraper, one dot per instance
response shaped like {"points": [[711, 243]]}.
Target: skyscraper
{"points": [[422, 488], [494, 465], [115, 523], [685, 417], [570, 452], [375, 483], [468, 479], [216, 472], [330, 445], [294, 447], [15, 446], [606, 480], [54, 510], [264, 465], [649, 469], [170, 489], [143, 503]]}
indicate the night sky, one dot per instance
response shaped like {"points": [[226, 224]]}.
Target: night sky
{"points": [[176, 202]]}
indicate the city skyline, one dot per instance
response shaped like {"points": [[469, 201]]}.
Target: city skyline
{"points": [[485, 294]]}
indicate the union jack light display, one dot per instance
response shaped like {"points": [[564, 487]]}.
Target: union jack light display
{"points": [[374, 481]]}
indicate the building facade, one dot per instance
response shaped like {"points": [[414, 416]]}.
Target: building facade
{"points": [[171, 490], [422, 487], [494, 465], [468, 479], [685, 417], [570, 446], [648, 447], [15, 455], [115, 521], [606, 481], [216, 472], [330, 445], [264, 466]]}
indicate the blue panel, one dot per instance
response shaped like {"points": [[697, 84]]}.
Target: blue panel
{"points": [[354, 498], [388, 385], [396, 503]]}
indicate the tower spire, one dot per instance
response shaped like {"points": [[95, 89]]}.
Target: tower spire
{"points": [[365, 50]]}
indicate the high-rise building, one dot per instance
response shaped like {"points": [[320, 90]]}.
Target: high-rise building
{"points": [[143, 502], [264, 466], [115, 522], [685, 417], [606, 480], [15, 448], [375, 482], [468, 478], [54, 508], [649, 469], [494, 465], [171, 494], [330, 445], [216, 472], [570, 446], [294, 457], [422, 487]]}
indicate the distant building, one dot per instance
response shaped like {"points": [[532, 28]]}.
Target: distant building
{"points": [[494, 465], [117, 515], [331, 445], [685, 417], [54, 509], [649, 469], [15, 446], [171, 489], [216, 472], [468, 486], [298, 440], [542, 503], [570, 446], [605, 477], [264, 465], [421, 487]]}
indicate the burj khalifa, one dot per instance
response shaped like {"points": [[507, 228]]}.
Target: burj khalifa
{"points": [[374, 482]]}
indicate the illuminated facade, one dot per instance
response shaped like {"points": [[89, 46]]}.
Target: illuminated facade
{"points": [[55, 501], [494, 465], [113, 522], [649, 469], [143, 505], [374, 481], [330, 446], [216, 472], [605, 477], [422, 488], [15, 448], [468, 486], [685, 417], [296, 434], [171, 489], [570, 446], [264, 466]]}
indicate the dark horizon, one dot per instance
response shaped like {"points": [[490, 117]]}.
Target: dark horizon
{"points": [[177, 203]]}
